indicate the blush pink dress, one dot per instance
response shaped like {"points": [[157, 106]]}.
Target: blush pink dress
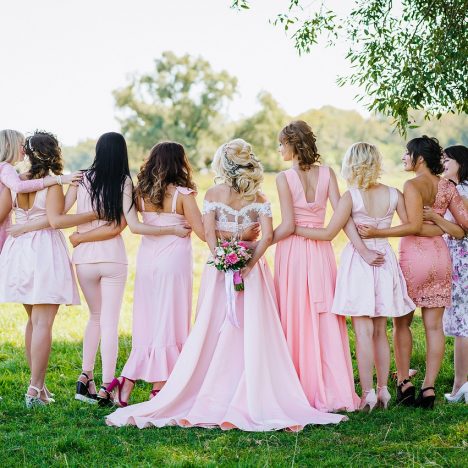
{"points": [[231, 377], [162, 302], [425, 261], [35, 267], [9, 178], [364, 290], [305, 276]]}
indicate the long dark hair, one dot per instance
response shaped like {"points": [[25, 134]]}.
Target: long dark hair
{"points": [[106, 176], [44, 154], [166, 164], [430, 150], [459, 153]]}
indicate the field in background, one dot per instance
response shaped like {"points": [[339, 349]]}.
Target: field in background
{"points": [[73, 434]]}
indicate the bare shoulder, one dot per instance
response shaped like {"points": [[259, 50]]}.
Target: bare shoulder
{"points": [[261, 198], [216, 192]]}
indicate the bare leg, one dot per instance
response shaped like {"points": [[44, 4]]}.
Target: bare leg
{"points": [[28, 334], [435, 345], [461, 362], [403, 346], [42, 318], [363, 329], [381, 351]]}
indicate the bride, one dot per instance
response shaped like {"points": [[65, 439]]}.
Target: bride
{"points": [[232, 373]]}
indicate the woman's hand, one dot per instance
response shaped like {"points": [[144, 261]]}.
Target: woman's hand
{"points": [[75, 239], [366, 232], [74, 178], [251, 233], [182, 231], [373, 257], [245, 271], [16, 230], [429, 214]]}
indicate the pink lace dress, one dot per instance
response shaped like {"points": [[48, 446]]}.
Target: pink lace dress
{"points": [[425, 261]]}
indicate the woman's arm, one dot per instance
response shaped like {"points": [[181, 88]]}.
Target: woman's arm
{"points": [[55, 204], [339, 219], [414, 209], [192, 215], [101, 233], [287, 225], [5, 204], [137, 227], [459, 210], [70, 197], [445, 225], [16, 230]]}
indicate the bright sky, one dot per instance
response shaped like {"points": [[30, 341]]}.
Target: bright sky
{"points": [[61, 59]]}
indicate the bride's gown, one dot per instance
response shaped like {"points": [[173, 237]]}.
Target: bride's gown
{"points": [[227, 376]]}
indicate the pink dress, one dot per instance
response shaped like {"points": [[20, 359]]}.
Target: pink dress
{"points": [[305, 275], [9, 178], [425, 261], [35, 267], [364, 290], [162, 303], [227, 376]]}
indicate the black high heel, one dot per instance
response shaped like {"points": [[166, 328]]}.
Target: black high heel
{"points": [[106, 401], [426, 402], [407, 397], [82, 391]]}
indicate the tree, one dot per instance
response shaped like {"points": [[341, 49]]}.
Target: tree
{"points": [[79, 156], [178, 101], [408, 55], [261, 131]]}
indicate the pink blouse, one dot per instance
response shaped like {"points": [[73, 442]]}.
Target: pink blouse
{"points": [[9, 178]]}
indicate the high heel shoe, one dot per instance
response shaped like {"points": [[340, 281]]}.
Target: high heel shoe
{"points": [[406, 397], [154, 392], [117, 384], [383, 397], [82, 391], [104, 401], [462, 392], [426, 402], [34, 400], [369, 402]]}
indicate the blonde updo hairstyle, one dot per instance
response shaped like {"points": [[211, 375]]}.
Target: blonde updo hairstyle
{"points": [[362, 165], [300, 136], [10, 144], [236, 165]]}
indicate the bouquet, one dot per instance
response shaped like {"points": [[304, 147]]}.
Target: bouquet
{"points": [[230, 257]]}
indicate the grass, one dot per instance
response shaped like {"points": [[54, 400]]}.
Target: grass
{"points": [[70, 433]]}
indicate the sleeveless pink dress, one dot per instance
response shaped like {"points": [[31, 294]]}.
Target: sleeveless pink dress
{"points": [[226, 376], [35, 267], [425, 261], [162, 302], [305, 275], [364, 290], [9, 178]]}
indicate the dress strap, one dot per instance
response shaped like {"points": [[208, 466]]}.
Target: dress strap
{"points": [[174, 200], [142, 203], [321, 193]]}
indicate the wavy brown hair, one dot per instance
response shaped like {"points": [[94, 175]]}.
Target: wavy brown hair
{"points": [[44, 154], [300, 136], [166, 164]]}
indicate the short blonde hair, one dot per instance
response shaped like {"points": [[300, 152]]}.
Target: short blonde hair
{"points": [[236, 165], [10, 143], [362, 165]]}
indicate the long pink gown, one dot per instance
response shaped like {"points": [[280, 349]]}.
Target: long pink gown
{"points": [[162, 301], [227, 376], [305, 276]]}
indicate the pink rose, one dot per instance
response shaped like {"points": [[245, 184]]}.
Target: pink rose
{"points": [[242, 244], [225, 244], [232, 258]]}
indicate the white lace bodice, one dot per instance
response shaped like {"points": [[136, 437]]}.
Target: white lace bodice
{"points": [[230, 220]]}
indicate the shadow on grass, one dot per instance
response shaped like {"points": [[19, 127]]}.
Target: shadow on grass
{"points": [[73, 433]]}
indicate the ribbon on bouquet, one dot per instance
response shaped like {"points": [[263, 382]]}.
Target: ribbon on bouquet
{"points": [[231, 298]]}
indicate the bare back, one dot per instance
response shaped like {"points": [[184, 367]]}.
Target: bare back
{"points": [[427, 186], [376, 200], [309, 181]]}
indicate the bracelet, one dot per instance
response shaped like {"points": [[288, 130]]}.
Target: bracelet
{"points": [[59, 179]]}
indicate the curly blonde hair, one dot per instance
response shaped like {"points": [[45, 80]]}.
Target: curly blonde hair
{"points": [[362, 165], [236, 165], [10, 144], [300, 136]]}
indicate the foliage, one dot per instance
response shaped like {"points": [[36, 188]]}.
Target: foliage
{"points": [[79, 156], [405, 56], [178, 100]]}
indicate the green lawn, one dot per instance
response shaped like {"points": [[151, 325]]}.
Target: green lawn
{"points": [[70, 433]]}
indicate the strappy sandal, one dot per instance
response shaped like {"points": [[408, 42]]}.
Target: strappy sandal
{"points": [[117, 384], [34, 400], [153, 393], [426, 402], [82, 391], [105, 401], [406, 397]]}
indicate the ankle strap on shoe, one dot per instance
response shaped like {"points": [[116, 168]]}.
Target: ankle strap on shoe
{"points": [[427, 388], [404, 382]]}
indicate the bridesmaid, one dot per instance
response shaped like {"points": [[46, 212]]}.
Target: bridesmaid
{"points": [[425, 262], [162, 307], [369, 295], [305, 275], [12, 152], [232, 375], [456, 316], [35, 269]]}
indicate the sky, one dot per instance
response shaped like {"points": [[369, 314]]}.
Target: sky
{"points": [[61, 59]]}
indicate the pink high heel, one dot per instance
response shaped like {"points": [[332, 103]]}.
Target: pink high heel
{"points": [[116, 383], [369, 402], [383, 397]]}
